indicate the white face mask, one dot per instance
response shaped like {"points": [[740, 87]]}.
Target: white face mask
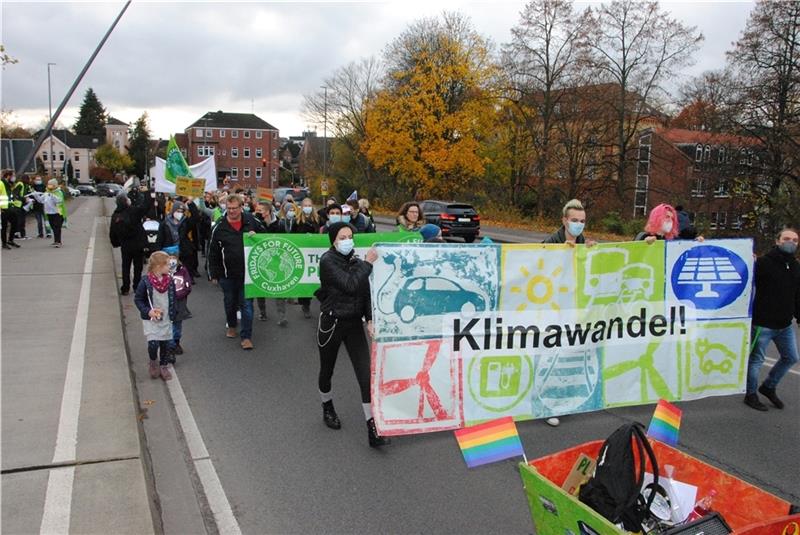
{"points": [[307, 210], [666, 228], [222, 206], [173, 264], [290, 214], [345, 246], [178, 216], [334, 218]]}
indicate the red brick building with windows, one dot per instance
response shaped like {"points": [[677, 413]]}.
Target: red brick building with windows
{"points": [[244, 146], [709, 173]]}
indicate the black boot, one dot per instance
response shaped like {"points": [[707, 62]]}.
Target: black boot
{"points": [[329, 416], [770, 394], [375, 440]]}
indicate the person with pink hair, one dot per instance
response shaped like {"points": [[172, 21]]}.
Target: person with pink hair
{"points": [[662, 224]]}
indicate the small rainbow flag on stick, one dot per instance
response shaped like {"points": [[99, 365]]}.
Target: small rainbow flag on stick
{"points": [[490, 442], [666, 423]]}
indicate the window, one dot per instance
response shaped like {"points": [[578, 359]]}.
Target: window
{"points": [[44, 156], [183, 151], [699, 187], [721, 155], [749, 157], [273, 174], [712, 224], [77, 173], [742, 157], [205, 150], [247, 134], [736, 221], [707, 156], [234, 172], [221, 132], [77, 157], [234, 133], [259, 134], [274, 153], [258, 173], [209, 133], [698, 153], [247, 172], [61, 156], [274, 135], [722, 188], [258, 152], [224, 152], [247, 152], [198, 132], [722, 221], [200, 150], [234, 152]]}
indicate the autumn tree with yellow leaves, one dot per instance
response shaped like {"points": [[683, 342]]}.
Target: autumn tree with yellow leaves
{"points": [[426, 127]]}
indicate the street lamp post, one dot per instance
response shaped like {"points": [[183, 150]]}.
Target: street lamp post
{"points": [[325, 135], [50, 112]]}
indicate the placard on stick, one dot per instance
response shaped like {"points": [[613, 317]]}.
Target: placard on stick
{"points": [[190, 187], [265, 194]]}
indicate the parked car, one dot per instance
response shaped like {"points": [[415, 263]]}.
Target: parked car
{"points": [[86, 189], [298, 194], [73, 192], [108, 189], [454, 218]]}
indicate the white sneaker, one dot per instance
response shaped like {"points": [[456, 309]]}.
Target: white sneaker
{"points": [[553, 422]]}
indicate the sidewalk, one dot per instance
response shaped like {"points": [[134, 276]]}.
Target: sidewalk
{"points": [[71, 451]]}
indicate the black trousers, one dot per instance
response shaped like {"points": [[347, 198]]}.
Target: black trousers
{"points": [[330, 335], [21, 222], [9, 222], [130, 259], [56, 220]]}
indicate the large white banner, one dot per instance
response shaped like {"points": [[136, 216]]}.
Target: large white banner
{"points": [[206, 169]]}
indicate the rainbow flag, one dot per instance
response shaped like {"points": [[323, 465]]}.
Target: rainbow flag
{"points": [[489, 442], [666, 423]]}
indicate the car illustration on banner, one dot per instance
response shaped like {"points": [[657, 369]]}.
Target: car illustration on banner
{"points": [[432, 296]]}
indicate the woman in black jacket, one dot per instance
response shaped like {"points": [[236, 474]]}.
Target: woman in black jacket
{"points": [[345, 305]]}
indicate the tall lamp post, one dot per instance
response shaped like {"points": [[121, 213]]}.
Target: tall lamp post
{"points": [[50, 112], [325, 135]]}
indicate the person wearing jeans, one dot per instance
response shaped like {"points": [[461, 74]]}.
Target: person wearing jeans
{"points": [[776, 303], [226, 264], [53, 201]]}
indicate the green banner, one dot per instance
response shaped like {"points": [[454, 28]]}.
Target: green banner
{"points": [[287, 265]]}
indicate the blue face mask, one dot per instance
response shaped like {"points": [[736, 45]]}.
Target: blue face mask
{"points": [[290, 214], [345, 246], [334, 218], [788, 247], [575, 228], [246, 207]]}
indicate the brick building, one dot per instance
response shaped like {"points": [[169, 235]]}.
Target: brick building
{"points": [[244, 146], [709, 173]]}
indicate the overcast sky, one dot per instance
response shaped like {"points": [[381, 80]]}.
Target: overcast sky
{"points": [[178, 60]]}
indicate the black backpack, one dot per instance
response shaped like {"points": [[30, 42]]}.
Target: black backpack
{"points": [[120, 229], [615, 489]]}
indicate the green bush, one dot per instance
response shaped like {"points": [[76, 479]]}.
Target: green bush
{"points": [[613, 223]]}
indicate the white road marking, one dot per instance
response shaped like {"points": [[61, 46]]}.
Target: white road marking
{"points": [[58, 499], [212, 487]]}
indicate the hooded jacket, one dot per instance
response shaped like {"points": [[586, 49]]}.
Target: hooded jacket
{"points": [[344, 286], [777, 290]]}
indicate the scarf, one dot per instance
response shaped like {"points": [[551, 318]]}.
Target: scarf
{"points": [[160, 284]]}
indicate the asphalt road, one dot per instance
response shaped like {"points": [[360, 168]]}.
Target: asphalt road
{"points": [[283, 471]]}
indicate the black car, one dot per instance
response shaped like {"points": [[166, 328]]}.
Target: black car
{"points": [[454, 218], [108, 189], [86, 189]]}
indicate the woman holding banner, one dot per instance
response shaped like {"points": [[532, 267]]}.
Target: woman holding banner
{"points": [[307, 223], [344, 306]]}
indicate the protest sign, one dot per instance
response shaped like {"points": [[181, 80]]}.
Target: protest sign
{"points": [[467, 333], [264, 194], [287, 265], [189, 187]]}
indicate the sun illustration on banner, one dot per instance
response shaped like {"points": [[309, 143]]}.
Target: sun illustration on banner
{"points": [[540, 288]]}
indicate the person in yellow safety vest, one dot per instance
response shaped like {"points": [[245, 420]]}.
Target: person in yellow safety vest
{"points": [[20, 189], [8, 214]]}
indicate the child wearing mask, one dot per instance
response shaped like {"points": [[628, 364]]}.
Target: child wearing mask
{"points": [[183, 287], [155, 299]]}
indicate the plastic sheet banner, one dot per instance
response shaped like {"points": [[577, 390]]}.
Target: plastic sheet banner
{"points": [[467, 333], [287, 265]]}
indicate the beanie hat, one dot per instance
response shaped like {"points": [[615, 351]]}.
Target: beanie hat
{"points": [[122, 200], [334, 229], [177, 205], [53, 183], [429, 231]]}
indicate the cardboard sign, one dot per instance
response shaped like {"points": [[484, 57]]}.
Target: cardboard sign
{"points": [[580, 474], [264, 194], [189, 187]]}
